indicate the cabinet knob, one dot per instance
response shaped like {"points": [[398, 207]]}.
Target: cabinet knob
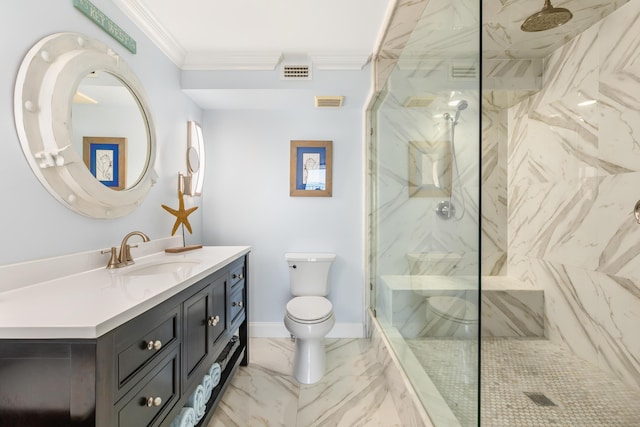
{"points": [[239, 304], [154, 401], [237, 276], [154, 345], [213, 321]]}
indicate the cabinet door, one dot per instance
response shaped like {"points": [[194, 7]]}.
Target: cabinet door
{"points": [[196, 339], [218, 318]]}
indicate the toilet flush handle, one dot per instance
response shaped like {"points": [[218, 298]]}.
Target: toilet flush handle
{"points": [[295, 266]]}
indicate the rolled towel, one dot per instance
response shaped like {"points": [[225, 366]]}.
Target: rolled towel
{"points": [[186, 418], [198, 402], [215, 371], [208, 387]]}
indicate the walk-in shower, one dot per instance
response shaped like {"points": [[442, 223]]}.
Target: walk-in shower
{"points": [[546, 334]]}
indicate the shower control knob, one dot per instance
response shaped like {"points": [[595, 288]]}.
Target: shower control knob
{"points": [[446, 210]]}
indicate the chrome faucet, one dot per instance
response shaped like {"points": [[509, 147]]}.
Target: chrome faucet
{"points": [[124, 258]]}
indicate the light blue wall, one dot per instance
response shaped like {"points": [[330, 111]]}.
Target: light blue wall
{"points": [[247, 202], [34, 224], [246, 198]]}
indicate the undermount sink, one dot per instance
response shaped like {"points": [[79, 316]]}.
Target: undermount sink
{"points": [[161, 267]]}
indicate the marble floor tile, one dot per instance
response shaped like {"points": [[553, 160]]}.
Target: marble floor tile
{"points": [[346, 400], [353, 391]]}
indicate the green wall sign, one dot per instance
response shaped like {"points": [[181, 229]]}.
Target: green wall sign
{"points": [[103, 21]]}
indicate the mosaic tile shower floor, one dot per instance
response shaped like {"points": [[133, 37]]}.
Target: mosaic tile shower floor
{"points": [[581, 394]]}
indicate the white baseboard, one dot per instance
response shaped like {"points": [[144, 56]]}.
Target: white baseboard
{"points": [[278, 330]]}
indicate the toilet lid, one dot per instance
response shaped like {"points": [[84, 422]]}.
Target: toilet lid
{"points": [[309, 309], [454, 308]]}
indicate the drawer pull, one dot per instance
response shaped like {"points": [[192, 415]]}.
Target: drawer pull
{"points": [[154, 345], [239, 304], [237, 276], [154, 401], [213, 321]]}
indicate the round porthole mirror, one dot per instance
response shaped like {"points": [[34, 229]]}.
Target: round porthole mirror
{"points": [[85, 126]]}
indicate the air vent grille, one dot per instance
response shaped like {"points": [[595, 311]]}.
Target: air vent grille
{"points": [[296, 72], [329, 101], [463, 72]]}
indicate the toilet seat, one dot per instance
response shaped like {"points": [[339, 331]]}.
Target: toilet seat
{"points": [[309, 309], [454, 309]]}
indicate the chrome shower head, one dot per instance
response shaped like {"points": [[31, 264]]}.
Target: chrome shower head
{"points": [[549, 17], [461, 106]]}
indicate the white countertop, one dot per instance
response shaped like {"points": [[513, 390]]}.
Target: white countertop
{"points": [[91, 303]]}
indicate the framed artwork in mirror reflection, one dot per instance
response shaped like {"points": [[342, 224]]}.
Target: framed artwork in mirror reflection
{"points": [[311, 169], [105, 157]]}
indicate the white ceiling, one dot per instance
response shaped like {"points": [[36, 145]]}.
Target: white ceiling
{"points": [[336, 35], [257, 34]]}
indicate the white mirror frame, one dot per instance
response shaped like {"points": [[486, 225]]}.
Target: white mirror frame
{"points": [[195, 159], [47, 80]]}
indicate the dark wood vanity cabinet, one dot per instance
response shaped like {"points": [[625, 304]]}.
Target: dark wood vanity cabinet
{"points": [[204, 326], [139, 374]]}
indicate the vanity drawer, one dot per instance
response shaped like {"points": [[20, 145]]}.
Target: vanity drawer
{"points": [[141, 344], [152, 398], [237, 305], [237, 272]]}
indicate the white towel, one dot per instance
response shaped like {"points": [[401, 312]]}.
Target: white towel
{"points": [[208, 387], [186, 418], [215, 371], [198, 402]]}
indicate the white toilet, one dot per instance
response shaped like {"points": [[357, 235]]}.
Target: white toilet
{"points": [[309, 315]]}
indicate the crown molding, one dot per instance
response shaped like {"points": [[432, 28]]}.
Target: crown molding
{"points": [[232, 61], [340, 61], [144, 19], [141, 16]]}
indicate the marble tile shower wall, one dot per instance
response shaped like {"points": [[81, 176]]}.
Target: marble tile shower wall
{"points": [[573, 173], [494, 188], [403, 67], [427, 233]]}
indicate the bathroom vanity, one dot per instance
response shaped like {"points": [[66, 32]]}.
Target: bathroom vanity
{"points": [[123, 347]]}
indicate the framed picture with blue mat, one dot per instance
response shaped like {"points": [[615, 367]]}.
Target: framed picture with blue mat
{"points": [[311, 169]]}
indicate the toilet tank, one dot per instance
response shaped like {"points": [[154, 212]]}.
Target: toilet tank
{"points": [[309, 273]]}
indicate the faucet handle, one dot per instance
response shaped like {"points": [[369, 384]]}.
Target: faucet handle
{"points": [[126, 258], [113, 261]]}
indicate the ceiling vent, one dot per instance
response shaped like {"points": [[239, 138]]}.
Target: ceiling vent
{"points": [[463, 72], [296, 72], [418, 101], [329, 101]]}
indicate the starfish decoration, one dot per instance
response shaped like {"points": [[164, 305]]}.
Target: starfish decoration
{"points": [[181, 214]]}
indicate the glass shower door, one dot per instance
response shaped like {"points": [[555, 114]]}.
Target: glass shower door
{"points": [[424, 210]]}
